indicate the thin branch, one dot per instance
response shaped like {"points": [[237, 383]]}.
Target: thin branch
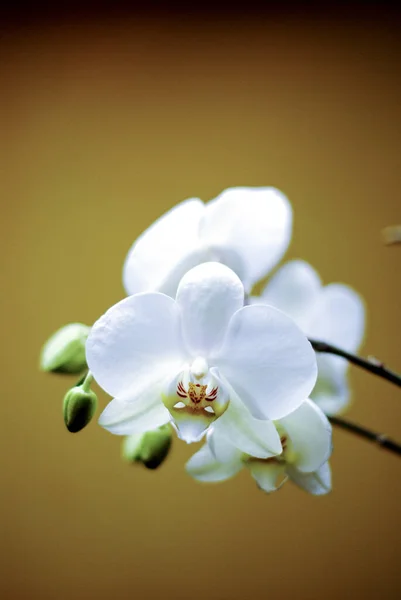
{"points": [[377, 438], [370, 364]]}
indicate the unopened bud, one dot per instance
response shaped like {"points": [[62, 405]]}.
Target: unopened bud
{"points": [[150, 448], [78, 408], [64, 351]]}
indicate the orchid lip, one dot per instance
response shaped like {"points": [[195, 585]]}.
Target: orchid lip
{"points": [[195, 398]]}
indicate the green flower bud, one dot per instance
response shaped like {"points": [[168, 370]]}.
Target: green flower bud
{"points": [[78, 408], [64, 351], [150, 448]]}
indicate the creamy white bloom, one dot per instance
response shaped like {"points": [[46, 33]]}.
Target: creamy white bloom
{"points": [[200, 359], [306, 447], [248, 229], [333, 313]]}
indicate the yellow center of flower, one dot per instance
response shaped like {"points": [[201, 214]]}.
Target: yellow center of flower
{"points": [[196, 393], [195, 399]]}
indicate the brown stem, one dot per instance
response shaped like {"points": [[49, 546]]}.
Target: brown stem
{"points": [[370, 364], [377, 438]]}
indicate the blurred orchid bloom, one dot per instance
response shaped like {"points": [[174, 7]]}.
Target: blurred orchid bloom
{"points": [[202, 358], [248, 229], [306, 447], [333, 313]]}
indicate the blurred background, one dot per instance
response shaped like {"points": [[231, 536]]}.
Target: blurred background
{"points": [[107, 121]]}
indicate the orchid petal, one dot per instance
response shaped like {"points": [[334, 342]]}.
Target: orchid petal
{"points": [[146, 413], [269, 475], [253, 436], [316, 483], [208, 295], [294, 289], [223, 450], [338, 317], [310, 435], [168, 242], [331, 392], [203, 466], [136, 342], [268, 361], [255, 223]]}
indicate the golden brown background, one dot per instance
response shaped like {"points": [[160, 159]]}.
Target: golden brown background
{"points": [[105, 124]]}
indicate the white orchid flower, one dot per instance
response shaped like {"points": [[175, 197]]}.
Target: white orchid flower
{"points": [[200, 359], [306, 441], [247, 229], [333, 313]]}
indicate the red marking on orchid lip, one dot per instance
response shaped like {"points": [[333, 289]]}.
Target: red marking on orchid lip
{"points": [[212, 396], [197, 384], [181, 390]]}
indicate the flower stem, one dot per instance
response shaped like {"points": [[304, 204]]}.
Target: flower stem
{"points": [[377, 438], [370, 364], [86, 384]]}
